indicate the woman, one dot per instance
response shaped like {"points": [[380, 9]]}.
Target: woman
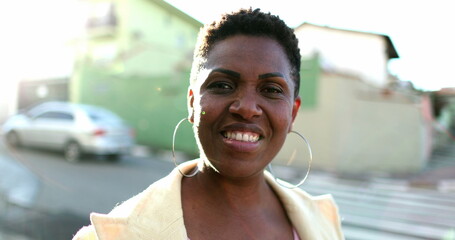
{"points": [[242, 101]]}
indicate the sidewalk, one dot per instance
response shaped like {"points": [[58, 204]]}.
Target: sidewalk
{"points": [[18, 185], [12, 236], [440, 171], [442, 178], [437, 175], [18, 190]]}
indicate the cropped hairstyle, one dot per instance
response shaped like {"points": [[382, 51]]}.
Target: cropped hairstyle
{"points": [[251, 23]]}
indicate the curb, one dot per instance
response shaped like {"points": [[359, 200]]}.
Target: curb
{"points": [[18, 185]]}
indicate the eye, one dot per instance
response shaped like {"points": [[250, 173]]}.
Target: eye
{"points": [[220, 87], [272, 89]]}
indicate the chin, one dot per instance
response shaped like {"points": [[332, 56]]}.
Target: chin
{"points": [[235, 168]]}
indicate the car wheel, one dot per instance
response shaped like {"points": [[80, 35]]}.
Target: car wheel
{"points": [[72, 152], [113, 157], [13, 139]]}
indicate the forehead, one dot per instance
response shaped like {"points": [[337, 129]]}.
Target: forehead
{"points": [[249, 55]]}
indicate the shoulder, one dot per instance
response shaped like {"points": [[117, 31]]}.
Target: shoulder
{"points": [[326, 204], [156, 208], [86, 233], [300, 199], [321, 214], [315, 217], [321, 210]]}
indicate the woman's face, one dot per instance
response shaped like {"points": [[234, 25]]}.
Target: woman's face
{"points": [[243, 104]]}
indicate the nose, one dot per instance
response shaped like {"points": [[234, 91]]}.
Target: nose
{"points": [[246, 106]]}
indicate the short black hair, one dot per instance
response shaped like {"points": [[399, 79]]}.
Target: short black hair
{"points": [[251, 23]]}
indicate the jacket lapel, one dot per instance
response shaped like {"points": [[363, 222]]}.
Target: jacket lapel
{"points": [[312, 217], [156, 213]]}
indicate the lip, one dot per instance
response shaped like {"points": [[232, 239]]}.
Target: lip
{"points": [[243, 127], [242, 146]]}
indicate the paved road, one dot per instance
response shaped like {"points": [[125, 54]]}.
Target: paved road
{"points": [[64, 194], [53, 198]]}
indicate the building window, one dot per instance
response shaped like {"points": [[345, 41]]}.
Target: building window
{"points": [[101, 15]]}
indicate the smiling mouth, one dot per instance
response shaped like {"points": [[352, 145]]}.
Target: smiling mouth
{"points": [[241, 136]]}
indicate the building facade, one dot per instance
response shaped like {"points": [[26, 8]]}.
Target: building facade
{"points": [[135, 60], [356, 122]]}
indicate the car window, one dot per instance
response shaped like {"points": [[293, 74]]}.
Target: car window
{"points": [[56, 116], [102, 115]]}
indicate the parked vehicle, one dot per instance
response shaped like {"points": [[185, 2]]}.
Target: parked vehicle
{"points": [[75, 129]]}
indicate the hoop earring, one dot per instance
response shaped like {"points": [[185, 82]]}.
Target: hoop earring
{"points": [[285, 184], [173, 152]]}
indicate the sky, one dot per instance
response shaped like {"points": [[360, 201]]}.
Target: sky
{"points": [[34, 41], [422, 31]]}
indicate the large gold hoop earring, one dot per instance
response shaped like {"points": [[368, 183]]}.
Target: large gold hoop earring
{"points": [[173, 152], [286, 184]]}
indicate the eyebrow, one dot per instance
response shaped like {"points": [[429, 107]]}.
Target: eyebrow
{"points": [[237, 75], [270, 75], [227, 72]]}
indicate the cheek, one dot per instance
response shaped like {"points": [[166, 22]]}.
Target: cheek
{"points": [[205, 109], [197, 109], [281, 118]]}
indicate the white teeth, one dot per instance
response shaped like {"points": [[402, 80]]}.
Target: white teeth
{"points": [[245, 137], [239, 136]]}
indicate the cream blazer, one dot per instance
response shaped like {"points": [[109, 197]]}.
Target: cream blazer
{"points": [[156, 213]]}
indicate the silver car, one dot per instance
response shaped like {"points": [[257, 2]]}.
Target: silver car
{"points": [[76, 129]]}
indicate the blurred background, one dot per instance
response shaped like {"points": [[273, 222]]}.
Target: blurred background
{"points": [[378, 107]]}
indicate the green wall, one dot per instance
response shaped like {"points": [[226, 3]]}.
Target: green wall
{"points": [[309, 77], [152, 105], [146, 82]]}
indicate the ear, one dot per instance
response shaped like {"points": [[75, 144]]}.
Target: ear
{"points": [[190, 101], [295, 110]]}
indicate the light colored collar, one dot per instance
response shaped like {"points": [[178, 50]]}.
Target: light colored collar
{"points": [[157, 213]]}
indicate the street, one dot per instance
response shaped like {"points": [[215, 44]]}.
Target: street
{"points": [[67, 193], [45, 197]]}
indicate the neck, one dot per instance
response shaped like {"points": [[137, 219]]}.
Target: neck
{"points": [[240, 193]]}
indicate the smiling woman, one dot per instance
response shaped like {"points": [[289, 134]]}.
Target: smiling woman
{"points": [[242, 102], [261, 101]]}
